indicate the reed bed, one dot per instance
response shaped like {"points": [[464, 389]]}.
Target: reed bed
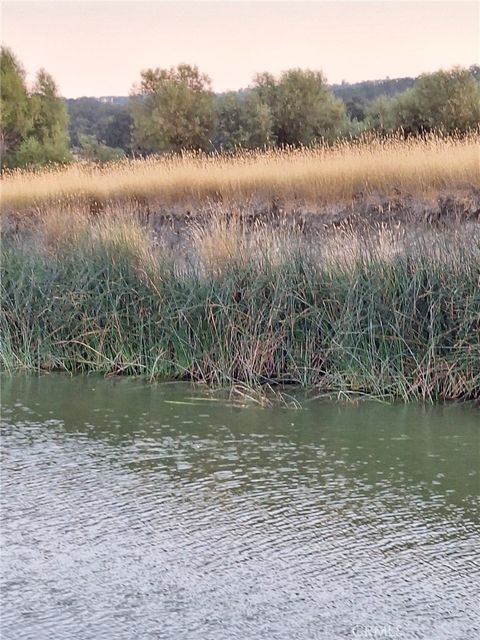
{"points": [[390, 314], [321, 174]]}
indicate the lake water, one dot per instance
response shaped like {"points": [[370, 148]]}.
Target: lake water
{"points": [[161, 511]]}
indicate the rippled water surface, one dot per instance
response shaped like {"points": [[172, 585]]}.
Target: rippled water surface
{"points": [[136, 511]]}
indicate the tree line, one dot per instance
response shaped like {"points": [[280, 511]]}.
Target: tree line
{"points": [[175, 109]]}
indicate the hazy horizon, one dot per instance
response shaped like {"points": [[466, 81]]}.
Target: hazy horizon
{"points": [[99, 48]]}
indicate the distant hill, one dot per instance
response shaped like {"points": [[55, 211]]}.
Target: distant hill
{"points": [[369, 90], [116, 100]]}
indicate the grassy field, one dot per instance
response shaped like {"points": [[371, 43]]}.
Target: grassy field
{"points": [[324, 174]]}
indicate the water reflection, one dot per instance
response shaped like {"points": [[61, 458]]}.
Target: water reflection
{"points": [[158, 511]]}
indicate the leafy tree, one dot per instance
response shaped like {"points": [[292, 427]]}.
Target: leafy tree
{"points": [[116, 130], [15, 117], [304, 109], [447, 101], [266, 87], [33, 125], [363, 96], [242, 120], [49, 124], [95, 151], [355, 107], [173, 109], [380, 115]]}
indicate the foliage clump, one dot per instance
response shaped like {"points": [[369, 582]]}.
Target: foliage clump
{"points": [[33, 125]]}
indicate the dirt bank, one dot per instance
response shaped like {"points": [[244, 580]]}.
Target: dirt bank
{"points": [[171, 224]]}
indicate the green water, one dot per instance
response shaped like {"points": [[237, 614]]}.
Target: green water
{"points": [[139, 511]]}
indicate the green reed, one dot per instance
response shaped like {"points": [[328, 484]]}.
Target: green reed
{"points": [[403, 323]]}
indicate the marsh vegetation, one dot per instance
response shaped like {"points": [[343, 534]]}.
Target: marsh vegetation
{"points": [[388, 310]]}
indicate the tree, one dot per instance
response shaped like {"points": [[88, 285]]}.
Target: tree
{"points": [[304, 109], [242, 120], [173, 109], [445, 101], [15, 117], [95, 151], [115, 131], [380, 116], [355, 108], [33, 125], [49, 125]]}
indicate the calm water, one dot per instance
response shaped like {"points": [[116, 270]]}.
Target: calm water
{"points": [[134, 511]]}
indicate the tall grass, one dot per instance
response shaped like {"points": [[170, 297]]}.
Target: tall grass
{"points": [[321, 174], [388, 314]]}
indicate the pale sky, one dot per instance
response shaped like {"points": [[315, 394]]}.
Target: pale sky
{"points": [[98, 48]]}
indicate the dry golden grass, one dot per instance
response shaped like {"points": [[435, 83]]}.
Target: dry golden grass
{"points": [[226, 239], [117, 231], [417, 166], [219, 243]]}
